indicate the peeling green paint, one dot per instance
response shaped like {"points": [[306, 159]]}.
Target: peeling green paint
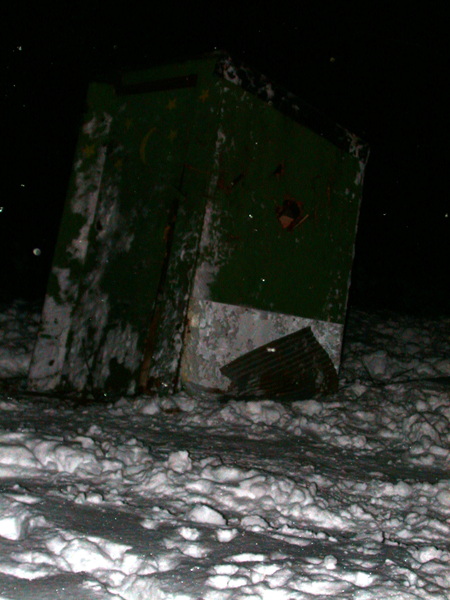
{"points": [[193, 189]]}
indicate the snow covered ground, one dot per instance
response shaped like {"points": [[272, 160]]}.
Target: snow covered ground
{"points": [[189, 499]]}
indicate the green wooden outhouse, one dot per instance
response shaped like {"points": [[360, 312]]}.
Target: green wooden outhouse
{"points": [[206, 242]]}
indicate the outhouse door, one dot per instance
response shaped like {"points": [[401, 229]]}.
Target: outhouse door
{"points": [[107, 293]]}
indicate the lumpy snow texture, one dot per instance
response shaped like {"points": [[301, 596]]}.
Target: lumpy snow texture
{"points": [[186, 498]]}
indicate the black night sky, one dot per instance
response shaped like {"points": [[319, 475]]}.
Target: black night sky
{"points": [[381, 73]]}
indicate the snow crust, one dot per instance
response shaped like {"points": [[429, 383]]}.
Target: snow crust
{"points": [[185, 498]]}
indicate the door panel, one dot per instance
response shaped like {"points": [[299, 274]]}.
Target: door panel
{"points": [[282, 222]]}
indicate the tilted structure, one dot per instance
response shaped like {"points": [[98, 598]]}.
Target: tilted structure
{"points": [[207, 240]]}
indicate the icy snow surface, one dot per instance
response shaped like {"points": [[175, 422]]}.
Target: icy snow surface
{"points": [[186, 498]]}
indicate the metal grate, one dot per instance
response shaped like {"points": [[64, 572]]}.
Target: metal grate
{"points": [[294, 367]]}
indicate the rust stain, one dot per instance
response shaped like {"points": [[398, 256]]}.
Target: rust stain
{"points": [[291, 213]]}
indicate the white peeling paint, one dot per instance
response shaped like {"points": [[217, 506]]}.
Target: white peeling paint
{"points": [[97, 126], [359, 150], [88, 323], [87, 187], [92, 345], [67, 287], [230, 74], [121, 343], [50, 351], [211, 253], [78, 340], [219, 333]]}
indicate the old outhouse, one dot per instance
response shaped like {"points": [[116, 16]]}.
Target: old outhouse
{"points": [[206, 242]]}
